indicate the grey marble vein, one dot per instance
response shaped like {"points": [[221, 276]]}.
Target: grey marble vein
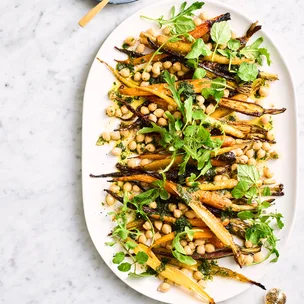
{"points": [[46, 255]]}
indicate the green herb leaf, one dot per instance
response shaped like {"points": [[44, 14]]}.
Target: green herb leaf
{"points": [[247, 71], [240, 189], [130, 245], [248, 174], [141, 257], [198, 48], [111, 244], [234, 44], [183, 258], [220, 32], [199, 73], [124, 267], [118, 257], [266, 191], [245, 215]]}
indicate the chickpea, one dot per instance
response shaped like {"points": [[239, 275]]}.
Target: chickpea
{"points": [[171, 71], [172, 207], [188, 250], [251, 162], [204, 15], [182, 207], [164, 287], [258, 257], [153, 205], [156, 67], [266, 146], [145, 76], [190, 214], [185, 69], [224, 178], [209, 46], [177, 115], [110, 111], [257, 145], [171, 108], [239, 152], [177, 66], [125, 72], [149, 234], [167, 65], [184, 243], [116, 151], [153, 118], [144, 110], [199, 242], [210, 109], [162, 122], [148, 139], [132, 163], [234, 167], [140, 148], [150, 147], [144, 162], [118, 113], [147, 225], [158, 112], [141, 48], [177, 213], [158, 224], [200, 99], [217, 178], [136, 188], [202, 283], [130, 41], [226, 93], [248, 260], [264, 91], [127, 187], [124, 110], [270, 135], [222, 46], [140, 138], [132, 145], [209, 248], [261, 153], [202, 106], [110, 200], [265, 119], [180, 73], [144, 84], [250, 153], [274, 154], [198, 275], [233, 35], [166, 229], [191, 245], [143, 40], [106, 136], [137, 76], [142, 239], [166, 31], [151, 31], [115, 135], [157, 236], [198, 21], [200, 249], [242, 159], [114, 188], [248, 244], [152, 107], [267, 173]]}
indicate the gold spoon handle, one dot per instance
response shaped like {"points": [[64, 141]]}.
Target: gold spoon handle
{"points": [[92, 13]]}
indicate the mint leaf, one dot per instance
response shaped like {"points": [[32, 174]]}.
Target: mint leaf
{"points": [[220, 32], [199, 73], [118, 257], [240, 189], [248, 174], [234, 44], [245, 215], [130, 245]]}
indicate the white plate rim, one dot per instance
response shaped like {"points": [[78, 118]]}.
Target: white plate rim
{"points": [[296, 161]]}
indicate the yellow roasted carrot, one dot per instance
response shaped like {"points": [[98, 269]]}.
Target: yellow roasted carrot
{"points": [[227, 184]]}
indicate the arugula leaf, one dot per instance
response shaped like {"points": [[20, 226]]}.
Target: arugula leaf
{"points": [[188, 108], [216, 89], [182, 22], [141, 257], [253, 52], [124, 267], [199, 73], [248, 71], [110, 243], [118, 257]]}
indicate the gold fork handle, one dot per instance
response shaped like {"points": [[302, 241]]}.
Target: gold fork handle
{"points": [[92, 13]]}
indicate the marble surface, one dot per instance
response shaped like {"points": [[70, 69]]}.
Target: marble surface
{"points": [[46, 252]]}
